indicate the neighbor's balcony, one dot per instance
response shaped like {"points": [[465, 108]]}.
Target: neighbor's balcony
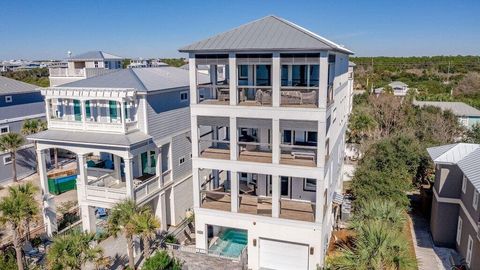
{"points": [[78, 72], [68, 122], [104, 186]]}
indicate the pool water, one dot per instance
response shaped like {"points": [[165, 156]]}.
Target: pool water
{"points": [[230, 243]]}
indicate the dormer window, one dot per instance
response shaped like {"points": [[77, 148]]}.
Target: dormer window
{"points": [[96, 64]]}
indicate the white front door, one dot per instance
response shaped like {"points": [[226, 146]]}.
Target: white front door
{"points": [[281, 255]]}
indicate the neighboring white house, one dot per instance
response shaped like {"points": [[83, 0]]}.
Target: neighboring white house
{"points": [[85, 65], [466, 114], [268, 142], [130, 132], [399, 89], [143, 63]]}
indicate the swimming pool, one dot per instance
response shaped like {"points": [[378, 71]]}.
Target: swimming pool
{"points": [[230, 243]]}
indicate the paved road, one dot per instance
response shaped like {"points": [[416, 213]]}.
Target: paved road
{"points": [[429, 256]]}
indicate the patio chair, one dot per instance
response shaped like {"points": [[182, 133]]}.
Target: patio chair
{"points": [[263, 97], [291, 97]]}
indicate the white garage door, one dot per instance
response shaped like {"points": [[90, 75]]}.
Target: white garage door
{"points": [[283, 255]]}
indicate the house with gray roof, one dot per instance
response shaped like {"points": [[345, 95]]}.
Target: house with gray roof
{"points": [[130, 133], [267, 142], [455, 214], [85, 65], [19, 101], [400, 89], [466, 114]]}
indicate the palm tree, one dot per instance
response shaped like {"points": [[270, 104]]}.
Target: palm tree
{"points": [[29, 191], [123, 219], [32, 126], [376, 246], [10, 143], [15, 209], [380, 210], [72, 251], [147, 225]]}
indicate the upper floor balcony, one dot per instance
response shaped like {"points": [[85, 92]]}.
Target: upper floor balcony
{"points": [[282, 80], [78, 72], [92, 115]]}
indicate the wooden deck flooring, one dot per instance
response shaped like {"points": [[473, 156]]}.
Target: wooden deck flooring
{"points": [[294, 210], [257, 156]]}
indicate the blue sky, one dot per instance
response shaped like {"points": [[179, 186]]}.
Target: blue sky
{"points": [[47, 29]]}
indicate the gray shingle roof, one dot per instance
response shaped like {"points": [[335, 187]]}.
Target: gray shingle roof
{"points": [[95, 55], [141, 79], [90, 138], [21, 110], [458, 108], [268, 33], [470, 166], [11, 86]]}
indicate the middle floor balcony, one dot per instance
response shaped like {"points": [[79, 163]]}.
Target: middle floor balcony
{"points": [[254, 141]]}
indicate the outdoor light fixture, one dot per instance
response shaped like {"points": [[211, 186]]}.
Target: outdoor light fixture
{"points": [[254, 242]]}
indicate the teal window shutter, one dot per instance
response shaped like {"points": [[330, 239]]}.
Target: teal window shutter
{"points": [[87, 108], [77, 110], [126, 110], [113, 109]]}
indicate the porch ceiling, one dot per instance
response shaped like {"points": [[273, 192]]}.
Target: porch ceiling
{"points": [[91, 138]]}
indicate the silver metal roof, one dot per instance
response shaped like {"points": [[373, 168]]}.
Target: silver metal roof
{"points": [[11, 86], [451, 153], [465, 155], [398, 83], [90, 138], [458, 108], [470, 166], [266, 34], [141, 79], [95, 55]]}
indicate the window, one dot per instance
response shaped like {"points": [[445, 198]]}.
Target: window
{"points": [[4, 130], [7, 159], [464, 184], [468, 259], [106, 64], [181, 160], [8, 99], [96, 64], [287, 136], [309, 184], [183, 96], [459, 230], [475, 199], [312, 137]]}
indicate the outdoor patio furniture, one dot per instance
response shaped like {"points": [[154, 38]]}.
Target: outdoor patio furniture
{"points": [[303, 154], [263, 97]]}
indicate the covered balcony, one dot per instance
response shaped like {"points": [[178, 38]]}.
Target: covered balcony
{"points": [[254, 194], [92, 115], [299, 143], [254, 140], [300, 75], [214, 141]]}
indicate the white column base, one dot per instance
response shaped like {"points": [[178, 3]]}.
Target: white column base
{"points": [[88, 218]]}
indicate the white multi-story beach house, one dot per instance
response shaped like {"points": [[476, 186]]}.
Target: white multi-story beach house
{"points": [[85, 65], [130, 133], [268, 142]]}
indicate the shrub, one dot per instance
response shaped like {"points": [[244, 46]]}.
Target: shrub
{"points": [[160, 261], [171, 239]]}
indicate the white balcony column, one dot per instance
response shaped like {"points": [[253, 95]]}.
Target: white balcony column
{"points": [[275, 196], [88, 218], [321, 140], [320, 200], [123, 117], [195, 137], [158, 166], [323, 80], [232, 64], [117, 166], [275, 141], [234, 189], [276, 79], [233, 139], [196, 188], [48, 204], [192, 66], [83, 107], [82, 180], [48, 107], [129, 177], [161, 211]]}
